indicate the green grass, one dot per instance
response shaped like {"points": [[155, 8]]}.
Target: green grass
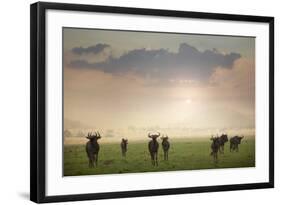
{"points": [[188, 154]]}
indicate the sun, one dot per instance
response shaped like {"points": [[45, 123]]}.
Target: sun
{"points": [[188, 101]]}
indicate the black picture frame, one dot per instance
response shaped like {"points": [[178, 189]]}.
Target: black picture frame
{"points": [[38, 100]]}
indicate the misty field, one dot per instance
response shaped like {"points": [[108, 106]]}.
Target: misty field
{"points": [[184, 154]]}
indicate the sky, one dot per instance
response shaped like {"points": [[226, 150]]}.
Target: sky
{"points": [[126, 83]]}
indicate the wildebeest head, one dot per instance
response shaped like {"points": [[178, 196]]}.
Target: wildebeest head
{"points": [[164, 138], [93, 137], [125, 141], [224, 137], [154, 136], [215, 139], [239, 139]]}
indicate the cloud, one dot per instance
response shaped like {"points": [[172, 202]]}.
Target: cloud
{"points": [[242, 76], [236, 83], [187, 63], [96, 49]]}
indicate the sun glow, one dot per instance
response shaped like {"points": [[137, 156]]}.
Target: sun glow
{"points": [[188, 101]]}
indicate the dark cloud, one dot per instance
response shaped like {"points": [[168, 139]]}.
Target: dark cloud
{"points": [[98, 48], [188, 62]]}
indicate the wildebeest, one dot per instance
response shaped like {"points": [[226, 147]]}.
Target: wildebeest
{"points": [[215, 147], [165, 146], [222, 140], [124, 143], [234, 142], [92, 148], [153, 148]]}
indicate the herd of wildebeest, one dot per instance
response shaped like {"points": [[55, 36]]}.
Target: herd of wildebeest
{"points": [[217, 146]]}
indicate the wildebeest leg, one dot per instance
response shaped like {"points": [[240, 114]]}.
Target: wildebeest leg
{"points": [[156, 159], [167, 155], [216, 157], [152, 158], [97, 159], [92, 162]]}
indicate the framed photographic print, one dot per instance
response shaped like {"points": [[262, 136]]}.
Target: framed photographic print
{"points": [[129, 102]]}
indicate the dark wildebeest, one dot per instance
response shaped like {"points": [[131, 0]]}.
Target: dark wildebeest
{"points": [[165, 146], [234, 142], [92, 148], [123, 145], [215, 147], [153, 148], [222, 140]]}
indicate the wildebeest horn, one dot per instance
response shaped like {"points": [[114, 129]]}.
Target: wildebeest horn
{"points": [[89, 135], [149, 135]]}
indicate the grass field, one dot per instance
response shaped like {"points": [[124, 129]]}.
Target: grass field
{"points": [[184, 154]]}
